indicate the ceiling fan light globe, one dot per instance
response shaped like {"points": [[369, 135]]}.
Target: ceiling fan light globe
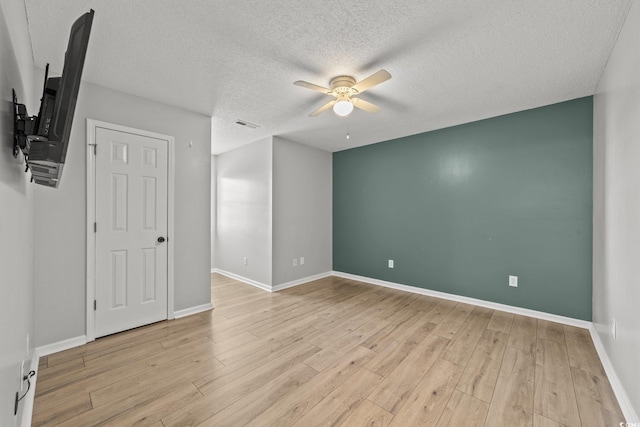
{"points": [[343, 108]]}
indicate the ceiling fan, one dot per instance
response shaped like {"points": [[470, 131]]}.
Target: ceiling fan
{"points": [[344, 89]]}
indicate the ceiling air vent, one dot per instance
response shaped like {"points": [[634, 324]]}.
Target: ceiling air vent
{"points": [[247, 124]]}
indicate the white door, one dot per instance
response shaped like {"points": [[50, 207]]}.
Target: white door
{"points": [[131, 230]]}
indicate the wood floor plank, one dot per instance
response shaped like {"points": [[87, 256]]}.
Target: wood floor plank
{"points": [[582, 353], [246, 306], [512, 402], [389, 333], [126, 404], [50, 415], [424, 406], [291, 407], [596, 400], [277, 320], [554, 395], [540, 421], [260, 348], [393, 354], [150, 334], [394, 391], [368, 414], [184, 339], [452, 322], [43, 363], [462, 345], [232, 372], [54, 371], [330, 355], [501, 321], [439, 311], [255, 374], [463, 410], [124, 356], [340, 403], [233, 342], [523, 334], [253, 404], [331, 332], [550, 331], [69, 384], [481, 373], [48, 384], [187, 368], [152, 412], [400, 307]]}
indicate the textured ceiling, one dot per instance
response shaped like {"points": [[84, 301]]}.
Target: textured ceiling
{"points": [[452, 61]]}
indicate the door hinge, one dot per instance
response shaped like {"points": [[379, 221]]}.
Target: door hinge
{"points": [[95, 227], [95, 305], [95, 149]]}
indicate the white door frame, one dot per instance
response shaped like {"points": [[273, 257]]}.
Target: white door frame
{"points": [[92, 125]]}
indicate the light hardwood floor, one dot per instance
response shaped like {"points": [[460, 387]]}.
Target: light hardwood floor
{"points": [[331, 352]]}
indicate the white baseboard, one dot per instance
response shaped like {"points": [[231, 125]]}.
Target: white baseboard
{"points": [[192, 310], [467, 300], [48, 349], [270, 288], [27, 406], [297, 282], [246, 280], [628, 411]]}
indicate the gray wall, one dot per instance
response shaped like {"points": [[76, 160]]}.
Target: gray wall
{"points": [[616, 218], [16, 211], [461, 209], [61, 213], [243, 214], [273, 204], [301, 210]]}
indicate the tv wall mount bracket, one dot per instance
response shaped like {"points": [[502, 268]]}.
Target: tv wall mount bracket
{"points": [[25, 127]]}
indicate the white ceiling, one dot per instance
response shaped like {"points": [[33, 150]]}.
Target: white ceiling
{"points": [[452, 61]]}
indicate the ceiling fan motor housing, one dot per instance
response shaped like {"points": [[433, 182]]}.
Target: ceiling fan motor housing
{"points": [[343, 85]]}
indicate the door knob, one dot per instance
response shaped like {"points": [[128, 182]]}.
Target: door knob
{"points": [[160, 239]]}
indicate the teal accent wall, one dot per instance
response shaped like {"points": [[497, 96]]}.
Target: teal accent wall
{"points": [[462, 208]]}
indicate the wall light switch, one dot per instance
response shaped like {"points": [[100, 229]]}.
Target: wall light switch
{"points": [[391, 263], [245, 260], [301, 260], [295, 262], [513, 281]]}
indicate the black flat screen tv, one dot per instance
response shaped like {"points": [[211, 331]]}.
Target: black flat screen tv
{"points": [[46, 137]]}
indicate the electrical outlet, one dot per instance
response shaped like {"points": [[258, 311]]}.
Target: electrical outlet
{"points": [[613, 328], [301, 260], [391, 263], [22, 382], [245, 260], [295, 262], [513, 281]]}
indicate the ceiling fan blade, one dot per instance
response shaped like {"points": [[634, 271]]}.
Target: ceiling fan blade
{"points": [[364, 105], [322, 109], [372, 80], [312, 86]]}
